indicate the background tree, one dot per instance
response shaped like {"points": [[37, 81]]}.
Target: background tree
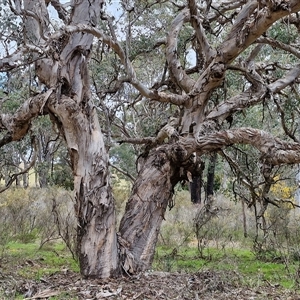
{"points": [[172, 61]]}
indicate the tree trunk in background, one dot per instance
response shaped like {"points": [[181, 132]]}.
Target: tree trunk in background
{"points": [[25, 176], [42, 171], [197, 183], [195, 189], [211, 175], [244, 219]]}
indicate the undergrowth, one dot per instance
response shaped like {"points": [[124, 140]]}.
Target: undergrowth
{"points": [[252, 272]]}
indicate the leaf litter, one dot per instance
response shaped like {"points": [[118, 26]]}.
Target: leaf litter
{"points": [[204, 285]]}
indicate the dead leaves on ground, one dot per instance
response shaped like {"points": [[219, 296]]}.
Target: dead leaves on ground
{"points": [[204, 285]]}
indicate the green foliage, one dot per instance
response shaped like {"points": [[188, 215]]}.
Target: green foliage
{"points": [[61, 176], [177, 231], [12, 104], [17, 210], [226, 249], [27, 215], [283, 33], [48, 260], [121, 192], [124, 157], [241, 261]]}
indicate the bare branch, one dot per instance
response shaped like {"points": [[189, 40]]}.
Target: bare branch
{"points": [[289, 132], [18, 124], [253, 55], [219, 9], [241, 27], [237, 103], [137, 141], [248, 27], [123, 172], [115, 45], [61, 11], [252, 96], [174, 64], [280, 45], [200, 33], [283, 82], [37, 17], [16, 59]]}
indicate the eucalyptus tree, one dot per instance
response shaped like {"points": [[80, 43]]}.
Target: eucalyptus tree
{"points": [[199, 44]]}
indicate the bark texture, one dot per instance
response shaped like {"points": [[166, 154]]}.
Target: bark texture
{"points": [[97, 243], [144, 212], [76, 116]]}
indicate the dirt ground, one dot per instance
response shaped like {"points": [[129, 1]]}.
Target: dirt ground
{"points": [[204, 285]]}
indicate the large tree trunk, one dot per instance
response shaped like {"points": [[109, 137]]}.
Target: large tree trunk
{"points": [[145, 210], [97, 242], [75, 115]]}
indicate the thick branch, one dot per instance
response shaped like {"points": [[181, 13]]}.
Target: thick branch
{"points": [[274, 151], [283, 82], [61, 11], [248, 27], [137, 141], [252, 96], [220, 9], [18, 124], [115, 45], [280, 45], [16, 59], [237, 103]]}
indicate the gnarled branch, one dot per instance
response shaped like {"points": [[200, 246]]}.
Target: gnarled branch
{"points": [[18, 124], [274, 151]]}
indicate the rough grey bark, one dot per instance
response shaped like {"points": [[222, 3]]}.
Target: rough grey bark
{"points": [[145, 209], [76, 117], [97, 243]]}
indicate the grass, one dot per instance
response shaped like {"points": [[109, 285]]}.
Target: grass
{"points": [[30, 262], [253, 272], [34, 263]]}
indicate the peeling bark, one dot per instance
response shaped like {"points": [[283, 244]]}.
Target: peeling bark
{"points": [[72, 106], [145, 210], [274, 151], [97, 240]]}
